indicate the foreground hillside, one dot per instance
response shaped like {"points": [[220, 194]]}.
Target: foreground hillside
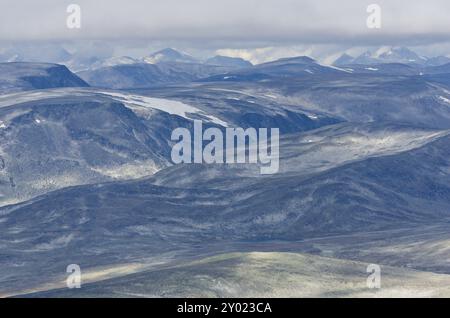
{"points": [[161, 217], [264, 275]]}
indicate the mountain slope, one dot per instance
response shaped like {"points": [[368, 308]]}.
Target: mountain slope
{"points": [[344, 59], [57, 138], [264, 275], [301, 66], [168, 55], [414, 100], [232, 62], [65, 137], [389, 55], [27, 76], [408, 188], [143, 75]]}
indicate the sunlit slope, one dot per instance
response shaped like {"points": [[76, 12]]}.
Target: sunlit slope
{"points": [[265, 275]]}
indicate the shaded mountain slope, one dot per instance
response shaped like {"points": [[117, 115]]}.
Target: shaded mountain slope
{"points": [[19, 76]]}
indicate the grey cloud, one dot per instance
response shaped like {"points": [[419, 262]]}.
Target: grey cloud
{"points": [[203, 22]]}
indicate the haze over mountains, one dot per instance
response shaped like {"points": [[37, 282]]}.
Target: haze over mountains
{"points": [[79, 60], [169, 66], [86, 176], [392, 55]]}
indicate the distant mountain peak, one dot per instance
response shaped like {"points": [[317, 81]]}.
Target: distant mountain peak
{"points": [[116, 60], [291, 60], [388, 54], [22, 76], [343, 59], [382, 51], [228, 61], [401, 54], [169, 55]]}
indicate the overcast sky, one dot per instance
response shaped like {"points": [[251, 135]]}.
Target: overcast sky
{"points": [[233, 25]]}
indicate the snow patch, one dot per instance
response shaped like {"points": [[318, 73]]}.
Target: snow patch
{"points": [[132, 170], [385, 50], [346, 70], [444, 99], [56, 243], [166, 105]]}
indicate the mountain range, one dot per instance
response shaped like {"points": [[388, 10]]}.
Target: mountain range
{"points": [[391, 55], [86, 178]]}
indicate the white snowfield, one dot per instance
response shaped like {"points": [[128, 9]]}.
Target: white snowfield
{"points": [[133, 101], [166, 105], [346, 70], [444, 99]]}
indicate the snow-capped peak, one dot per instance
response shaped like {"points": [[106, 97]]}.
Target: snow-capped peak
{"points": [[384, 50], [169, 55]]}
